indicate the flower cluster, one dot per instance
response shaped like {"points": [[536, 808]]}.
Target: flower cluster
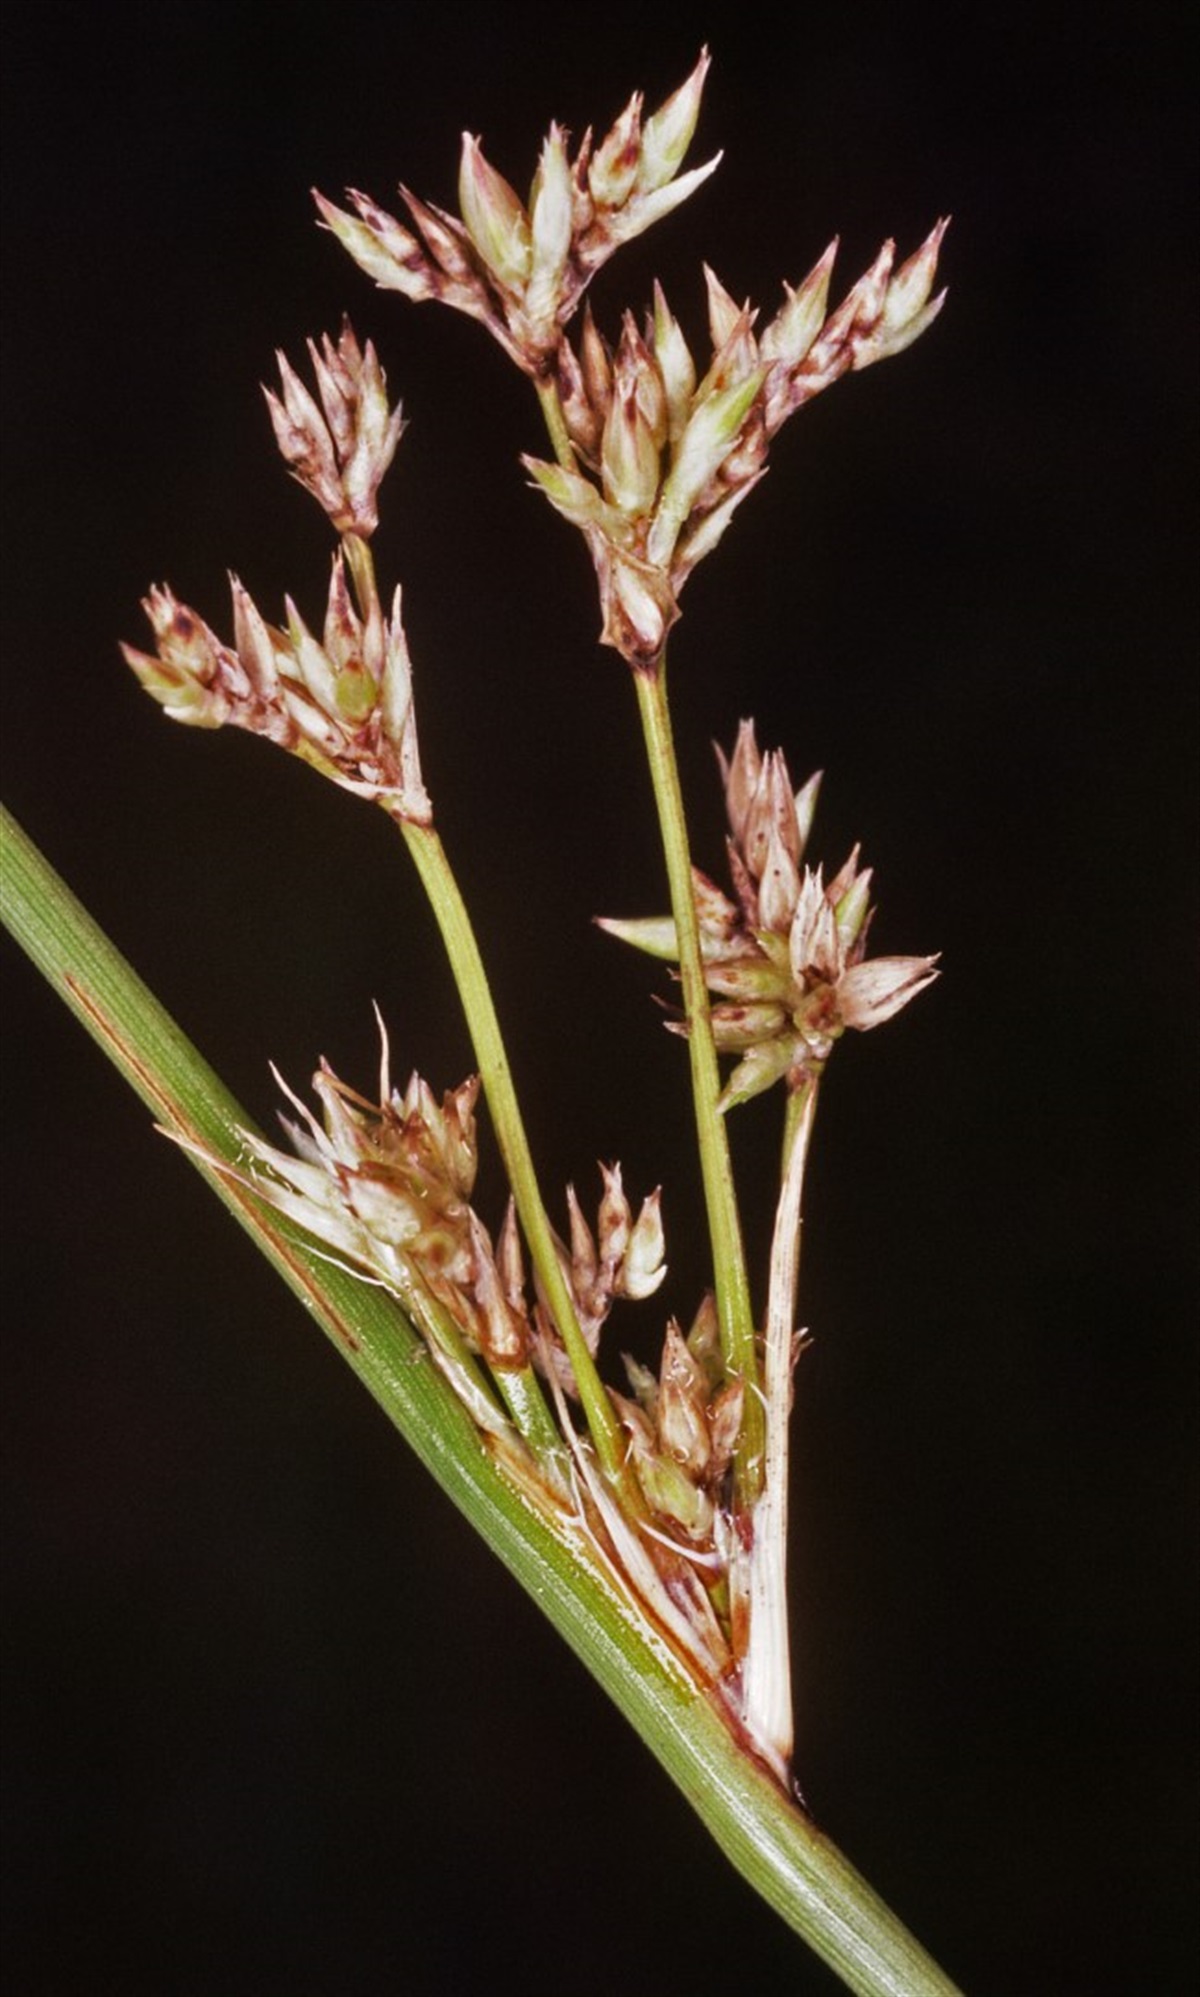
{"points": [[683, 1425], [654, 456], [343, 703], [669, 455], [340, 449], [787, 959], [388, 1187], [521, 269]]}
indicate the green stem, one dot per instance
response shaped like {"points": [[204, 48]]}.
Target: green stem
{"points": [[729, 1263], [519, 1386], [437, 878], [775, 1846]]}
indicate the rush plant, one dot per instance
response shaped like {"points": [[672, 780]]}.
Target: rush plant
{"points": [[649, 1517]]}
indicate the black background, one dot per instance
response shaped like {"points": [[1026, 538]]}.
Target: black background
{"points": [[274, 1719]]}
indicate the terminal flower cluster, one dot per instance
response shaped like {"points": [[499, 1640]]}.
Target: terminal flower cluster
{"points": [[343, 702], [665, 455], [520, 269], [339, 448]]}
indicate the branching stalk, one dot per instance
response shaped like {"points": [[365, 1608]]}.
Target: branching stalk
{"points": [[462, 949], [729, 1263], [518, 1387], [775, 1846]]}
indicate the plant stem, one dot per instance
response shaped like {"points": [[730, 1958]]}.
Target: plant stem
{"points": [[437, 878], [766, 1669], [729, 1263], [776, 1847], [519, 1386]]}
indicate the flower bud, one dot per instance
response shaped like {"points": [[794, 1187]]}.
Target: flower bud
{"points": [[636, 367], [772, 813], [644, 210], [584, 1262], [668, 133], [584, 423], [550, 218], [759, 1069], [705, 530], [399, 722], [188, 676], [813, 943], [724, 1427], [380, 246], [340, 451], [569, 493], [779, 883], [655, 934], [740, 774], [876, 990], [850, 895], [643, 1268], [666, 1485], [723, 314], [615, 1217], [682, 1399], [704, 1340], [806, 804], [715, 913], [495, 218], [253, 642], [743, 1024], [634, 620], [628, 454], [614, 166], [791, 333], [708, 437], [747, 978], [675, 364], [908, 293], [449, 241], [503, 1337], [597, 368], [315, 667], [509, 1260]]}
